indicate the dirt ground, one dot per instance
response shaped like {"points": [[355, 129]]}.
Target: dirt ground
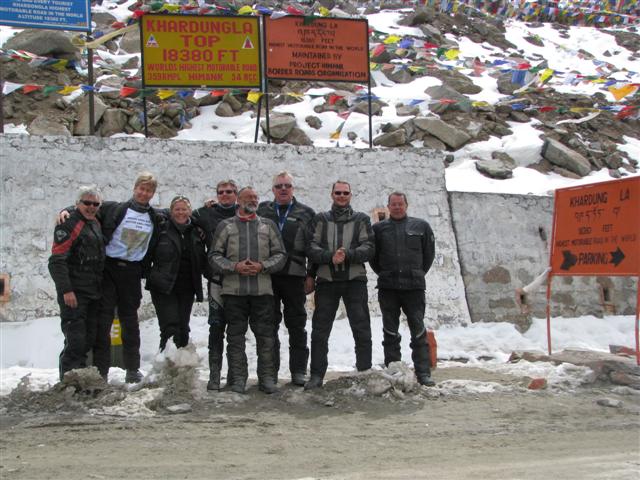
{"points": [[341, 432]]}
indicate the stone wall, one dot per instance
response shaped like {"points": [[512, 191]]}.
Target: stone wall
{"points": [[503, 243], [40, 175]]}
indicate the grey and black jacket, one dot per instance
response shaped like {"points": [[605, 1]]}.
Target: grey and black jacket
{"points": [[404, 253], [293, 231], [236, 240], [77, 257], [340, 227]]}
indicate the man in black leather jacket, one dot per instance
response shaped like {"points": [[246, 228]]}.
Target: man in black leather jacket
{"points": [[76, 265], [405, 248], [294, 281], [208, 218], [340, 242]]}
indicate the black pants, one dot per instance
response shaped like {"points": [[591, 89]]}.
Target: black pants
{"points": [[327, 298], [79, 326], [288, 290], [412, 304], [120, 289], [174, 313], [257, 312], [217, 326]]}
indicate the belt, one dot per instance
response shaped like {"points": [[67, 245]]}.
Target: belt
{"points": [[121, 262]]}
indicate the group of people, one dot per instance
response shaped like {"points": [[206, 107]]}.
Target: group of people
{"points": [[261, 260]]}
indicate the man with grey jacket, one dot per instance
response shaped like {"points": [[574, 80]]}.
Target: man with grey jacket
{"points": [[246, 249]]}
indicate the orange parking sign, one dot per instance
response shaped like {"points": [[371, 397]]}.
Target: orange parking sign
{"points": [[317, 48], [200, 51], [596, 229]]}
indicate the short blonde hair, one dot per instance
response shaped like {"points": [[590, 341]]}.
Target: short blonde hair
{"points": [[179, 198], [283, 173], [148, 178]]}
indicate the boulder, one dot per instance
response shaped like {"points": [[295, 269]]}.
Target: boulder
{"points": [[297, 137], [407, 110], [313, 121], [114, 121], [51, 43], [494, 169], [224, 110], [451, 136], [279, 125], [396, 138], [562, 156], [439, 92], [42, 125], [82, 126]]}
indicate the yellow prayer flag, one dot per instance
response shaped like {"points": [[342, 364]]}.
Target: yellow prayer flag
{"points": [[164, 94], [335, 135], [170, 8], [452, 54], [246, 10], [60, 65], [480, 104], [391, 39], [546, 74], [68, 89], [324, 11], [254, 97], [620, 93]]}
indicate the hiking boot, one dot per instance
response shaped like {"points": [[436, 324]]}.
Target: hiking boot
{"points": [[133, 376], [268, 386], [214, 379], [238, 388], [314, 382], [297, 379], [426, 381]]}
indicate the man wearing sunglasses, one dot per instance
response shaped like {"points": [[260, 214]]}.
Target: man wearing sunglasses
{"points": [[130, 230], [340, 242], [405, 248], [208, 218], [295, 280], [76, 266]]}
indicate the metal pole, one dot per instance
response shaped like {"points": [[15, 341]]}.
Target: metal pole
{"points": [[255, 138], [549, 311], [638, 325], [1, 97], [92, 109], [266, 104], [144, 114], [370, 121]]}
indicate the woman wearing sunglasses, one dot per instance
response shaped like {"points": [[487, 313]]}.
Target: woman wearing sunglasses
{"points": [[178, 262]]}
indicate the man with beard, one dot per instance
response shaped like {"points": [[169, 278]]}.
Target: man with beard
{"points": [[246, 250]]}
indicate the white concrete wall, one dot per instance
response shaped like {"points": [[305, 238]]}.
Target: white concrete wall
{"points": [[40, 175]]}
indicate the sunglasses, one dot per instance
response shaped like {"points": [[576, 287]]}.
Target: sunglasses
{"points": [[228, 192], [338, 192], [89, 203], [279, 186]]}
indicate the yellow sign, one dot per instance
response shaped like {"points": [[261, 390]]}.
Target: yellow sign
{"points": [[200, 51], [116, 332]]}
